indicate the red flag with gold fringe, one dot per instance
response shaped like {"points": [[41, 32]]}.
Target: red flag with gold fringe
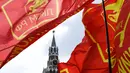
{"points": [[17, 19], [25, 21]]}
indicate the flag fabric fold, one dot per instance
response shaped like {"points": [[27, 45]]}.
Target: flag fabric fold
{"points": [[23, 22], [77, 59]]}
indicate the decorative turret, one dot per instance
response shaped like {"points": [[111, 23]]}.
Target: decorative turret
{"points": [[53, 58]]}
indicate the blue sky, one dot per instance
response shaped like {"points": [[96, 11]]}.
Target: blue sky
{"points": [[34, 58]]}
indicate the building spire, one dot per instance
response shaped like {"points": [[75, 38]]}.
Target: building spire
{"points": [[53, 40]]}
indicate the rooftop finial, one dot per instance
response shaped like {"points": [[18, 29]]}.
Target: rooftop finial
{"points": [[53, 40], [53, 31]]}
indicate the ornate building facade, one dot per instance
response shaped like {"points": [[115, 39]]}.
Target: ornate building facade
{"points": [[53, 58]]}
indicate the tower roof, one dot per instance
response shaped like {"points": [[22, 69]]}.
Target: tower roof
{"points": [[53, 40]]}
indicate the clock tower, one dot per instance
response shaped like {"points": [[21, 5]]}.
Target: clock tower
{"points": [[53, 58]]}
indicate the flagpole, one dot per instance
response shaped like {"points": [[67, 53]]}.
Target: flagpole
{"points": [[107, 37]]}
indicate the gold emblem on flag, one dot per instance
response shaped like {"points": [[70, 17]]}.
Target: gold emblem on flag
{"points": [[36, 4], [116, 10], [64, 71]]}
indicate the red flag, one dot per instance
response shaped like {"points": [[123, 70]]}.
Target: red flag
{"points": [[15, 17], [23, 22], [95, 59], [122, 42]]}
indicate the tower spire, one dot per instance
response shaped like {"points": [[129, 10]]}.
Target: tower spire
{"points": [[53, 40]]}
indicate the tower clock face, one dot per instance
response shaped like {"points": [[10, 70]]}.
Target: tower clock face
{"points": [[55, 62]]}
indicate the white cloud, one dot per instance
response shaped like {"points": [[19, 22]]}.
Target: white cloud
{"points": [[61, 30]]}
